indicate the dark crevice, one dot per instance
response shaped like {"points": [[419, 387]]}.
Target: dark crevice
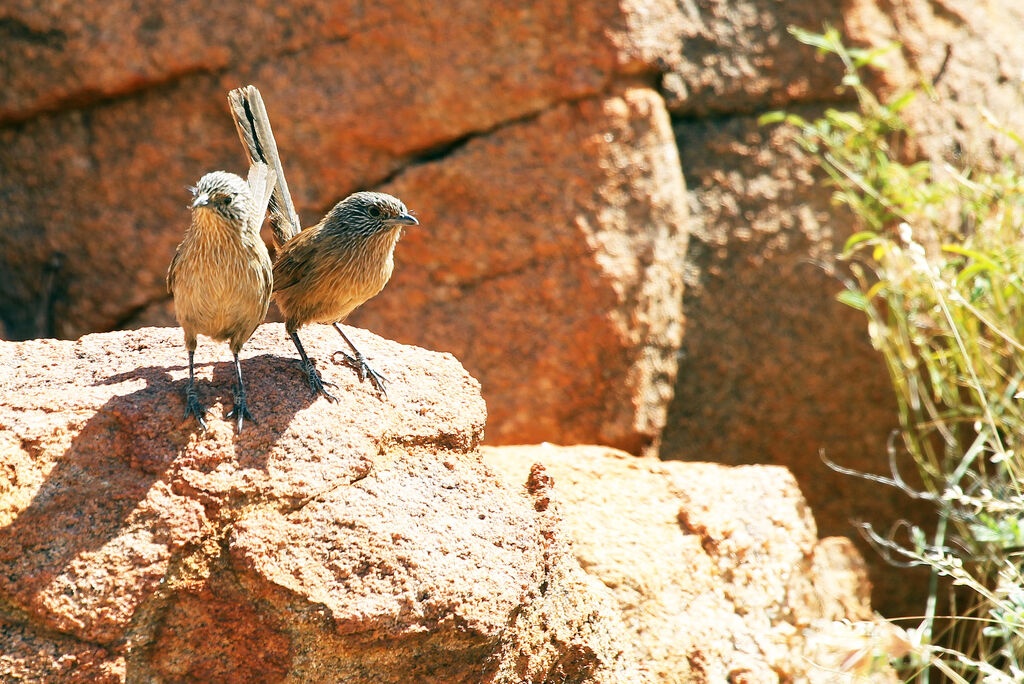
{"points": [[440, 151], [943, 10], [437, 152], [12, 29], [446, 149], [754, 112], [89, 99]]}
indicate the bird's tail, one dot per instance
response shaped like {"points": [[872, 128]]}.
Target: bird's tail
{"points": [[258, 140], [261, 184]]}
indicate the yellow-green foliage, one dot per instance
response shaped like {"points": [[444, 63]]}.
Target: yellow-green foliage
{"points": [[938, 271]]}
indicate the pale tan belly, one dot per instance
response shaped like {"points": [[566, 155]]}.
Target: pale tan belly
{"points": [[223, 293]]}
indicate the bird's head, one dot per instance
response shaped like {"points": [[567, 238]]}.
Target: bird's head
{"points": [[223, 194], [368, 213]]}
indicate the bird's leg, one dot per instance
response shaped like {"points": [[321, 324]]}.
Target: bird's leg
{"points": [[316, 383], [358, 361], [240, 410], [192, 405]]}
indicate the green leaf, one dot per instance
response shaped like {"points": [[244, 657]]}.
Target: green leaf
{"points": [[875, 289], [771, 117], [857, 238], [853, 299], [971, 271], [870, 57], [972, 254], [903, 100], [806, 37]]}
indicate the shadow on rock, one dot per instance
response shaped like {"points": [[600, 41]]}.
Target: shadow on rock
{"points": [[99, 533]]}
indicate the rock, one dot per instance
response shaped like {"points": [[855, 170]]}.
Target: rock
{"points": [[973, 57], [730, 56], [584, 240], [462, 109], [553, 271], [774, 369], [357, 541], [718, 570], [28, 656]]}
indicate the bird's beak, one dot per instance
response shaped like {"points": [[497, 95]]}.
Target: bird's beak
{"points": [[201, 200], [402, 220]]}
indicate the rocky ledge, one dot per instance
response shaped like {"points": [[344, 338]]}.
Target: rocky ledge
{"points": [[370, 540]]}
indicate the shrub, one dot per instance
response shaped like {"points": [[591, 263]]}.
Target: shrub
{"points": [[937, 268]]}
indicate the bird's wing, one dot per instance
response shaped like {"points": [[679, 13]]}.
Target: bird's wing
{"points": [[257, 138], [172, 270], [294, 262], [261, 185]]}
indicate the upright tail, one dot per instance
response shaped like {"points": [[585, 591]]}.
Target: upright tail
{"points": [[258, 140]]}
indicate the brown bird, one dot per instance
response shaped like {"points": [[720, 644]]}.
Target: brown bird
{"points": [[326, 271], [221, 274], [322, 273]]}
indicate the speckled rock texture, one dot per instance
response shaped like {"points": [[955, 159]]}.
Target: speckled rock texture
{"points": [[972, 56], [589, 288], [718, 570], [762, 383], [362, 541]]}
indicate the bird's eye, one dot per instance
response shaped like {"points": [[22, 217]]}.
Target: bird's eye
{"points": [[227, 200], [374, 212]]}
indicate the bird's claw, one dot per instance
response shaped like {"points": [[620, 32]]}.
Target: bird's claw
{"points": [[193, 407], [358, 362], [316, 381], [241, 410]]}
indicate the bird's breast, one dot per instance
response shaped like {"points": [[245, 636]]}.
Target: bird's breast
{"points": [[221, 279], [345, 273]]}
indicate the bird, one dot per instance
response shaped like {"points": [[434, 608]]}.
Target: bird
{"points": [[324, 272], [221, 275]]}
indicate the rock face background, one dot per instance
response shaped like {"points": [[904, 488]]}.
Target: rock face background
{"points": [[588, 178]]}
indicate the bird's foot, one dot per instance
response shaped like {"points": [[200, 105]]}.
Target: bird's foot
{"points": [[316, 382], [358, 362], [193, 407], [241, 409]]}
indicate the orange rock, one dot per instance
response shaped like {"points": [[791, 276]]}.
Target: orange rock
{"points": [[328, 541], [718, 570], [355, 93], [974, 59], [553, 271], [579, 259], [774, 369]]}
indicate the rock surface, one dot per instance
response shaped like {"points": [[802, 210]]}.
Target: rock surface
{"points": [[485, 116], [723, 57], [972, 56], [772, 368], [357, 541], [554, 272], [763, 378], [718, 570]]}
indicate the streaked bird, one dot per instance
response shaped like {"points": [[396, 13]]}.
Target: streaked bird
{"points": [[221, 274]]}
